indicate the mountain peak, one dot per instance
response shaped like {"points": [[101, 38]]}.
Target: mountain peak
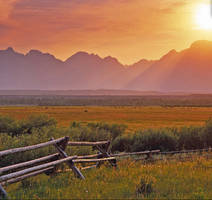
{"points": [[173, 51], [142, 61], [10, 52], [34, 52], [170, 54], [201, 44], [10, 49], [111, 60], [82, 55]]}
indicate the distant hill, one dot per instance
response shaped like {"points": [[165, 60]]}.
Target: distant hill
{"points": [[187, 71]]}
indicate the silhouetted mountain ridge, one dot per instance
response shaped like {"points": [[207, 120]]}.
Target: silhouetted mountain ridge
{"points": [[189, 70]]}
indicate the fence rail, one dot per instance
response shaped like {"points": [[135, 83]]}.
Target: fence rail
{"points": [[32, 169], [186, 151], [28, 163], [33, 147], [15, 180], [136, 153], [88, 143]]}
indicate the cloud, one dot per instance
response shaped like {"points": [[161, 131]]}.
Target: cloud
{"points": [[65, 26], [4, 29], [5, 9], [90, 15]]}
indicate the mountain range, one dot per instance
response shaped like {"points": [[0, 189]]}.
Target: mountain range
{"points": [[189, 70]]}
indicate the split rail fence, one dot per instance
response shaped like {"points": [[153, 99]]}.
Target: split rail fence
{"points": [[49, 164]]}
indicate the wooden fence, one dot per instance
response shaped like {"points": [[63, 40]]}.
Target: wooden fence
{"points": [[49, 163]]}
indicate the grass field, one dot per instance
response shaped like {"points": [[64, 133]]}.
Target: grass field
{"points": [[133, 117], [166, 180]]}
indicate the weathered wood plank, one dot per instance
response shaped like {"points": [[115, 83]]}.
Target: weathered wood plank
{"points": [[135, 153], [32, 169], [28, 163], [20, 178], [88, 143], [28, 148], [93, 160], [89, 156], [88, 167]]}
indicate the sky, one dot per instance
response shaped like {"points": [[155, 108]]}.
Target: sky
{"points": [[129, 30]]}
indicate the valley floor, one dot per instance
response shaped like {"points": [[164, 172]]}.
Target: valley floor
{"points": [[132, 116]]}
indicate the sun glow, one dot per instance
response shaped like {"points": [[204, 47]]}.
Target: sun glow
{"points": [[204, 17]]}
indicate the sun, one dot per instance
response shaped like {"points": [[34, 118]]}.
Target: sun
{"points": [[204, 16]]}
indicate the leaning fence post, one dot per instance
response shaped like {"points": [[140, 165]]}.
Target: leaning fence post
{"points": [[63, 144], [107, 155], [3, 193], [63, 154]]}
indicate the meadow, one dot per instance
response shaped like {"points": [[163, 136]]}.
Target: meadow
{"points": [[135, 118], [130, 128]]}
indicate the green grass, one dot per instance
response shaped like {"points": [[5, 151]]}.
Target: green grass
{"points": [[170, 180]]}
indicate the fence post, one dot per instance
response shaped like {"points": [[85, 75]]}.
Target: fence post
{"points": [[3, 193], [63, 144], [149, 156], [63, 154]]}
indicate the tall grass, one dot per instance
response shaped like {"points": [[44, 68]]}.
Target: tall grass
{"points": [[170, 180]]}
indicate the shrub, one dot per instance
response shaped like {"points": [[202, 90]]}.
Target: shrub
{"points": [[17, 127], [114, 130], [162, 139], [207, 133], [123, 143], [95, 131], [75, 124], [8, 125], [190, 138], [82, 133]]}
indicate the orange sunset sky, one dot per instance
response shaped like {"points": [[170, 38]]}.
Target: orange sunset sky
{"points": [[126, 29]]}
